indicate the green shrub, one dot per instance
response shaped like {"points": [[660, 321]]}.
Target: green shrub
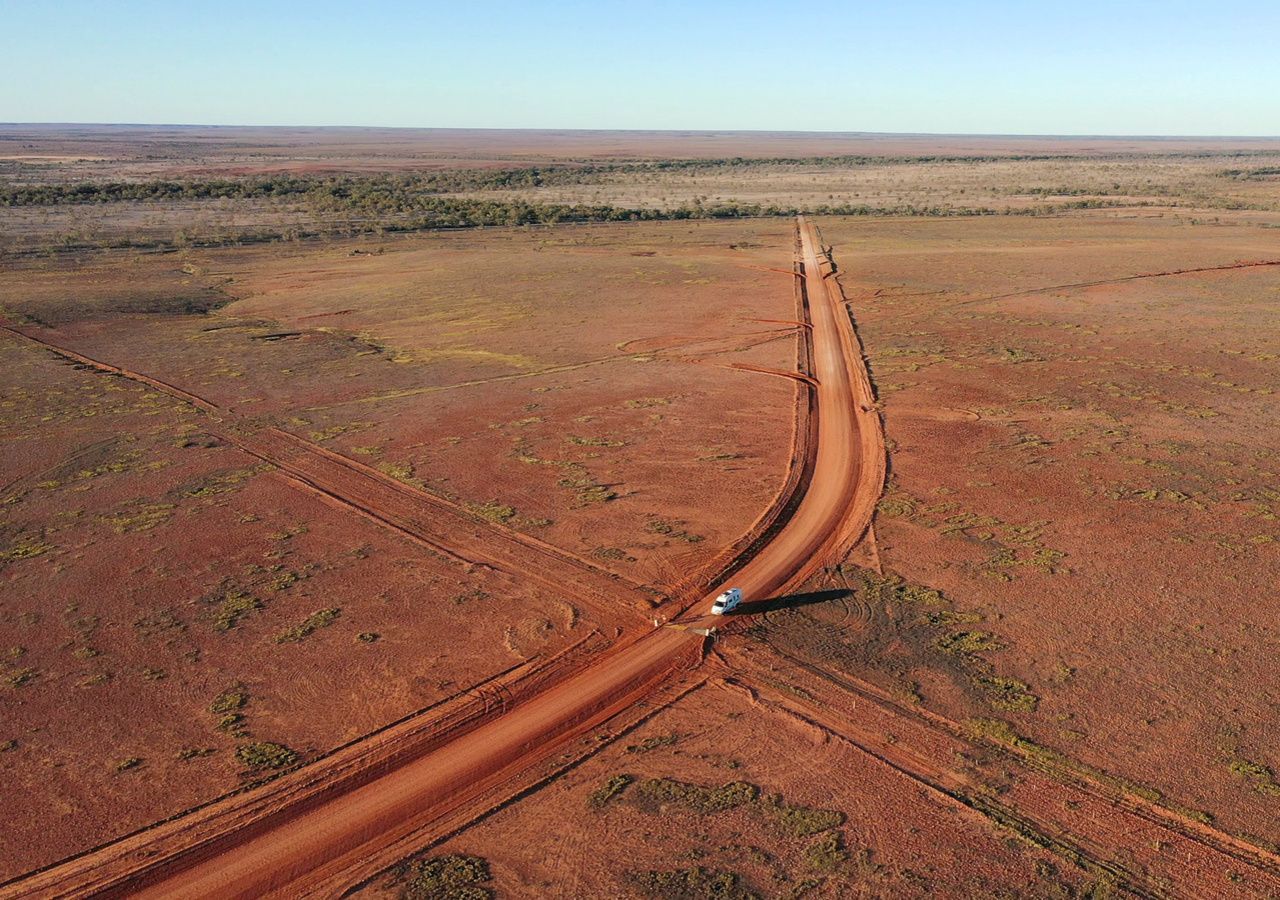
{"points": [[967, 643], [26, 548], [1007, 693], [492, 511], [653, 743], [667, 529], [448, 878], [320, 619], [668, 791], [17, 678], [601, 796], [234, 606], [696, 883], [230, 700], [799, 821], [826, 853], [266, 755]]}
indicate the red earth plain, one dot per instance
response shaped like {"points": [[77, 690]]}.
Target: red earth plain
{"points": [[380, 562]]}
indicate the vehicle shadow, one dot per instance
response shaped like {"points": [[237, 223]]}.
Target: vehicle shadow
{"points": [[788, 601]]}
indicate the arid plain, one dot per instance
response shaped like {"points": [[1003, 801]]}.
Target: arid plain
{"points": [[325, 450]]}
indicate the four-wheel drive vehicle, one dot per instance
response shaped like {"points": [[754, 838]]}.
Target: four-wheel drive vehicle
{"points": [[726, 602]]}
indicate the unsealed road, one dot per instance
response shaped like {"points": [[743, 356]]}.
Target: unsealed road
{"points": [[315, 850]]}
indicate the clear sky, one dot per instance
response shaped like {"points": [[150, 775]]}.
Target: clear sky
{"points": [[1033, 67]]}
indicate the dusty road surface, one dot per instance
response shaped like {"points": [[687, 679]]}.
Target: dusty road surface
{"points": [[316, 846]]}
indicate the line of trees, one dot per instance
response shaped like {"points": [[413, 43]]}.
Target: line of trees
{"points": [[396, 191]]}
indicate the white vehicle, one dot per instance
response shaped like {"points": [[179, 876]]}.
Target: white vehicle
{"points": [[726, 602]]}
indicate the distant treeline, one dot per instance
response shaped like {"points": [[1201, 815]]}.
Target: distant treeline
{"points": [[442, 213], [397, 190], [384, 192], [116, 191], [1260, 173], [458, 212], [367, 194]]}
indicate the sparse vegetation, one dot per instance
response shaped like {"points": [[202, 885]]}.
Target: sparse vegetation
{"points": [[492, 511], [653, 743], [826, 853], [25, 548], [230, 700], [695, 883], [964, 643], [1260, 777], [258, 755], [1008, 694], [320, 619], [587, 491], [660, 794], [593, 442], [670, 530], [799, 821], [657, 793], [223, 482], [611, 789], [233, 607], [448, 878], [139, 517], [16, 678], [612, 554], [1000, 732]]}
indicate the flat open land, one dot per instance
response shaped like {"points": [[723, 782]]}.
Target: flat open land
{"points": [[364, 492]]}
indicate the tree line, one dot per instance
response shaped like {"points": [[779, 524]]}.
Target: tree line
{"points": [[396, 190]]}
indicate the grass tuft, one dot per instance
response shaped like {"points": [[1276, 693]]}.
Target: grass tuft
{"points": [[266, 755], [799, 821], [662, 792], [448, 878], [695, 883], [611, 789], [826, 853], [233, 607], [320, 619]]}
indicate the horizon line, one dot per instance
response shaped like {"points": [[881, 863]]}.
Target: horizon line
{"points": [[666, 131]]}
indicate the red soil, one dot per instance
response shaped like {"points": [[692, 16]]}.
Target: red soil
{"points": [[305, 846]]}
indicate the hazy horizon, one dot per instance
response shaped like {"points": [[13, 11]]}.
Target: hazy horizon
{"points": [[666, 131]]}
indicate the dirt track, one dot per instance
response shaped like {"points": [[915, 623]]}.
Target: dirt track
{"points": [[295, 851], [1146, 849], [432, 522]]}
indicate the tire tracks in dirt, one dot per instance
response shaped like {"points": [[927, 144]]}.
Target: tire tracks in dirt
{"points": [[804, 440], [1146, 848], [438, 525], [1254, 264]]}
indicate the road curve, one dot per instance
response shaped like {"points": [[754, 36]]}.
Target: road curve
{"points": [[298, 852]]}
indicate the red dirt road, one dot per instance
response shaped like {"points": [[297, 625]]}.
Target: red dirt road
{"points": [[320, 849]]}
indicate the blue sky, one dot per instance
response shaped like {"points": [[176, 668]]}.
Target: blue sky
{"points": [[1030, 67]]}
